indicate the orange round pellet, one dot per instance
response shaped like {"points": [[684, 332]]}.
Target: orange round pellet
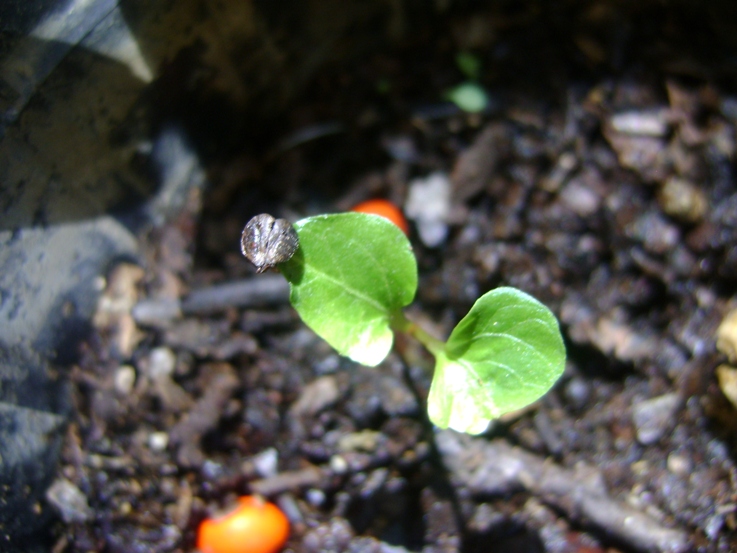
{"points": [[386, 209], [253, 526]]}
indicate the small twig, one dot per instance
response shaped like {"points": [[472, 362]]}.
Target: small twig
{"points": [[251, 292], [310, 133], [264, 290], [498, 468], [290, 481], [185, 435]]}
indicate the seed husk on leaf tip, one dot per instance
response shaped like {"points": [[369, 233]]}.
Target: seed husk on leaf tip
{"points": [[267, 241]]}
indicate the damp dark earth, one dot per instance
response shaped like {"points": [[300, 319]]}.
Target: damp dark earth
{"points": [[598, 176]]}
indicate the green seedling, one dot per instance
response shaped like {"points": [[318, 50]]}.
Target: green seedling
{"points": [[469, 96], [350, 279], [469, 64]]}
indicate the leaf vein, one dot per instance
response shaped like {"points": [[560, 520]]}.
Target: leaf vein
{"points": [[512, 337], [351, 291]]}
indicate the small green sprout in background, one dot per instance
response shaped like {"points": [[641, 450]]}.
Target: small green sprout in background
{"points": [[383, 86], [352, 275], [469, 96], [469, 64]]}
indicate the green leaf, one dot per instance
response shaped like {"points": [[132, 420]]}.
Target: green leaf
{"points": [[505, 354], [470, 97], [351, 273], [469, 64]]}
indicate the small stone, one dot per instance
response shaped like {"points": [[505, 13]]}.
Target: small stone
{"points": [[727, 336], [69, 501], [328, 365], [315, 497], [121, 292], [578, 392], [266, 463], [485, 519], [428, 204], [727, 377], [714, 526], [158, 441], [334, 535], [401, 148], [621, 340], [654, 417], [159, 367], [114, 308], [365, 440], [656, 233], [679, 464], [125, 378], [396, 398], [580, 199], [338, 464], [161, 362], [566, 163], [641, 123], [683, 200], [646, 155], [316, 396]]}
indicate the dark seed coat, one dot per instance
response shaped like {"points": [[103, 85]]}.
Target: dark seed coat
{"points": [[266, 241]]}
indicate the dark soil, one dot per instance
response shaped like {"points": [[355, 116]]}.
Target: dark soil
{"points": [[601, 180]]}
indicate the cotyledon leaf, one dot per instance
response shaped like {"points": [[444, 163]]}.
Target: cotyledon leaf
{"points": [[505, 354], [351, 273]]}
